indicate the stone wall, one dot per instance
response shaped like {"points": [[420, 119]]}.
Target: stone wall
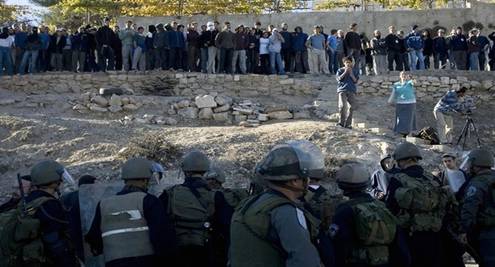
{"points": [[480, 14]]}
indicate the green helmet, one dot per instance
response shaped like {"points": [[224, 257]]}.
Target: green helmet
{"points": [[314, 165], [481, 158], [406, 150], [195, 161], [137, 168], [353, 176], [290, 161], [46, 172], [216, 173]]}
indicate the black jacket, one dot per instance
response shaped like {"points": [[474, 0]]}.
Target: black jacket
{"points": [[57, 47], [105, 36]]}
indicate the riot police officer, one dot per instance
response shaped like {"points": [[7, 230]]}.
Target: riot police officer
{"points": [[132, 228], [46, 177], [478, 208], [419, 203], [364, 232], [199, 214], [215, 178], [272, 228]]}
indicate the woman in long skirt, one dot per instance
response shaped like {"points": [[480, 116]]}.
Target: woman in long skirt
{"points": [[404, 98]]}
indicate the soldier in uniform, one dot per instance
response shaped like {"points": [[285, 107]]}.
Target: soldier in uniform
{"points": [[419, 203], [272, 228], [199, 214], [364, 232], [47, 176], [132, 228], [478, 208], [215, 179]]}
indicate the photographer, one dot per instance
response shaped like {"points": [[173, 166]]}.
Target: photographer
{"points": [[443, 111]]}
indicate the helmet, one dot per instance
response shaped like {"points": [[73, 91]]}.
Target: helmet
{"points": [[46, 172], [406, 150], [314, 162], [481, 158], [195, 161], [137, 168], [353, 176], [290, 161], [216, 173]]}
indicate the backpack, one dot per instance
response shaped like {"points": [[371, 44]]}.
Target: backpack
{"points": [[423, 203], [20, 236], [375, 228], [429, 134], [191, 210]]}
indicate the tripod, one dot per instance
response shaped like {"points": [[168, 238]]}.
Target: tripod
{"points": [[469, 127]]}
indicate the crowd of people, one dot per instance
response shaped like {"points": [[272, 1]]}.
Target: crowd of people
{"points": [[224, 48], [402, 215]]}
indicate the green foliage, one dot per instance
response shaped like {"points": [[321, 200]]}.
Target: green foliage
{"points": [[7, 12], [415, 4]]}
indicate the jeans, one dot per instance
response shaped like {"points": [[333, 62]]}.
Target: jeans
{"points": [[276, 60], [300, 62], [139, 59], [355, 54], [78, 57], [286, 57], [212, 55], [416, 56], [127, 56], [192, 58], [204, 59], [347, 105], [405, 61], [6, 60], [459, 57], [225, 60], [394, 56], [57, 61], [44, 60], [474, 61], [331, 61], [241, 56], [67, 59], [106, 58], [32, 56], [445, 125], [150, 59], [482, 57], [379, 64], [439, 61], [319, 63]]}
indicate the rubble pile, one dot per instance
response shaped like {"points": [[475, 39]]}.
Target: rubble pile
{"points": [[107, 100]]}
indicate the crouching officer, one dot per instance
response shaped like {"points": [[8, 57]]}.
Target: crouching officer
{"points": [[478, 208], [47, 177], [215, 178], [200, 215], [131, 228], [272, 229], [419, 203], [364, 232]]}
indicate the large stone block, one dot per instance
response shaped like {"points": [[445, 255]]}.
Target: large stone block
{"points": [[205, 114], [223, 117], [188, 113], [100, 100], [205, 101]]}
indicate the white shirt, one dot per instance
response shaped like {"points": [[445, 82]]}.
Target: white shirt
{"points": [[8, 42], [456, 179], [264, 42]]}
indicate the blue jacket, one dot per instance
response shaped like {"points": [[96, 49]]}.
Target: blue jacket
{"points": [[414, 41], [298, 41], [141, 42], [45, 40], [332, 42], [346, 84], [21, 39], [458, 42]]}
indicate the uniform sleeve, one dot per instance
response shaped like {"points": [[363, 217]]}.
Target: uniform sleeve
{"points": [[161, 229], [223, 215], [342, 234], [473, 198], [390, 200], [291, 229], [93, 237]]}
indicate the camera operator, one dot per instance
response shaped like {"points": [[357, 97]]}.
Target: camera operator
{"points": [[443, 111]]}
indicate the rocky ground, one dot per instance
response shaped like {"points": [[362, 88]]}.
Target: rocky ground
{"points": [[35, 127]]}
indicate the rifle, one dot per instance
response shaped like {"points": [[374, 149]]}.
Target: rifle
{"points": [[23, 197]]}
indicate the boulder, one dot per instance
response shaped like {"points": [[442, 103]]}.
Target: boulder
{"points": [[183, 103], [263, 117], [188, 113], [110, 91], [222, 108], [280, 115], [205, 114], [486, 84], [100, 100], [223, 116], [130, 107], [115, 109], [445, 80], [205, 101], [125, 100], [97, 108], [223, 100], [115, 100], [171, 111]]}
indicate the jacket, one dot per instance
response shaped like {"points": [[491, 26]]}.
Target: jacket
{"points": [[414, 41], [225, 39], [352, 41], [458, 42], [241, 41], [105, 36]]}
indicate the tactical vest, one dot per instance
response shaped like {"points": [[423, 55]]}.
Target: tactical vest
{"points": [[192, 214], [124, 229], [322, 204], [486, 216], [250, 243], [234, 196], [375, 229], [422, 202]]}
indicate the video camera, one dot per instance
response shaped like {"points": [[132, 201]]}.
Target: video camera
{"points": [[468, 106]]}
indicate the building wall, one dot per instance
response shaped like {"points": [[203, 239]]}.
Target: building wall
{"points": [[480, 14]]}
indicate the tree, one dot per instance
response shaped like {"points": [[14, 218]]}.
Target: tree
{"points": [[7, 12]]}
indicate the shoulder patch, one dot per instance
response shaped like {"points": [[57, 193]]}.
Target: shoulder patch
{"points": [[471, 191], [301, 218]]}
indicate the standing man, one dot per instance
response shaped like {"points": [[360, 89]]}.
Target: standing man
{"points": [[352, 44], [473, 50], [317, 46], [271, 229], [104, 39], [32, 48], [332, 51], [459, 47], [452, 176], [209, 42], [128, 37], [347, 78], [132, 228], [300, 60], [484, 49], [409, 197], [225, 42], [393, 50], [286, 46], [478, 208], [404, 54], [241, 43], [193, 52], [379, 52], [44, 56], [440, 50], [161, 44], [139, 56], [415, 45], [443, 111], [20, 37], [339, 50]]}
